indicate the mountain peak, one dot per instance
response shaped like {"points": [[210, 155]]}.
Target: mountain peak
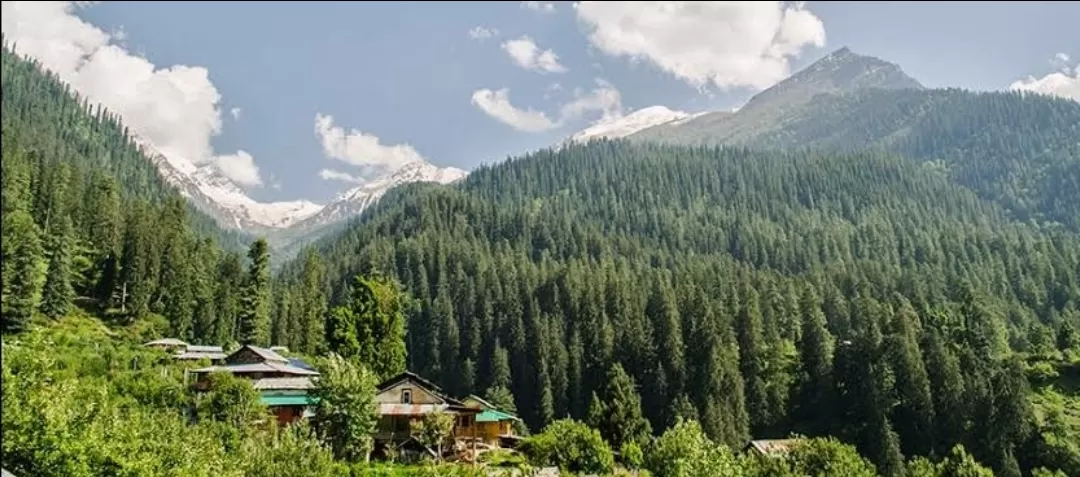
{"points": [[842, 71]]}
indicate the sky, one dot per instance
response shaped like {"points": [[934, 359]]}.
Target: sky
{"points": [[302, 100]]}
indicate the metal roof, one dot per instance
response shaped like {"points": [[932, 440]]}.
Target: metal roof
{"points": [[204, 349], [289, 400], [266, 384], [200, 355], [492, 415], [267, 354], [268, 367], [165, 342], [409, 409]]}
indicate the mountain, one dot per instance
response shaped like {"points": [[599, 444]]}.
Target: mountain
{"points": [[354, 201], [699, 268], [841, 71], [622, 126], [1018, 150], [221, 198]]}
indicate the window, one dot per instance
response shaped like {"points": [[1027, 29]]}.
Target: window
{"points": [[406, 396]]}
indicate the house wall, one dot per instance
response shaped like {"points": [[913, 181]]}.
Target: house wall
{"points": [[419, 394]]}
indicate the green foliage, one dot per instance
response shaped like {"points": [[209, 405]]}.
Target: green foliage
{"points": [[685, 451], [88, 219], [255, 297], [231, 400], [571, 446], [631, 455], [346, 413], [819, 456], [79, 401], [21, 280], [958, 464], [433, 430], [371, 328], [616, 411]]}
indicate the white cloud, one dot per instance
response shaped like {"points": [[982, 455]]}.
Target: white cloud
{"points": [[546, 7], [361, 149], [483, 33], [527, 55], [175, 109], [1065, 82], [240, 167], [235, 112], [726, 44], [605, 99], [333, 175], [497, 105]]}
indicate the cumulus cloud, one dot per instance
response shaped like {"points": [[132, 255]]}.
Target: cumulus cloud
{"points": [[527, 55], [175, 109], [545, 7], [725, 44], [497, 105], [240, 167], [235, 112], [360, 149], [1065, 82], [333, 175], [604, 99], [483, 33]]}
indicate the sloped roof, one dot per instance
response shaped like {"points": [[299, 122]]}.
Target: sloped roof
{"points": [[773, 446], [204, 349], [267, 367], [166, 342], [431, 387], [268, 384], [299, 363], [200, 355], [265, 354], [491, 415], [483, 403]]}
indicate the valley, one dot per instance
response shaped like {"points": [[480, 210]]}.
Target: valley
{"points": [[851, 274]]}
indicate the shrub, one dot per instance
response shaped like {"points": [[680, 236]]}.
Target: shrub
{"points": [[570, 445]]}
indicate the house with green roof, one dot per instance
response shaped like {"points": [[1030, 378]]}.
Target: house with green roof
{"points": [[493, 426]]}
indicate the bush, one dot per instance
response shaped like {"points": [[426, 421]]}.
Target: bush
{"points": [[570, 445], [685, 451]]}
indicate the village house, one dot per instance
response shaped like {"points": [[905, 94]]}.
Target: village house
{"points": [[188, 352], [494, 427], [283, 384], [406, 398]]}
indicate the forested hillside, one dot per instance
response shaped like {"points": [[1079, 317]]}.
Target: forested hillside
{"points": [[1019, 150], [860, 295], [87, 219]]}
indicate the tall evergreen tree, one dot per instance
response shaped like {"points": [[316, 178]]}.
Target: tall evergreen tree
{"points": [[58, 293], [254, 313], [21, 281]]}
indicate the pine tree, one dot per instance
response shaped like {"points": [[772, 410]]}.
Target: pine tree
{"points": [[255, 298], [21, 281], [58, 293], [616, 410]]}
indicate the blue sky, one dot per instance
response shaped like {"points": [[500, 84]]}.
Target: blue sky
{"points": [[409, 73]]}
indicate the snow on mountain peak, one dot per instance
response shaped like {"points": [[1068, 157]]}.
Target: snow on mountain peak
{"points": [[622, 126]]}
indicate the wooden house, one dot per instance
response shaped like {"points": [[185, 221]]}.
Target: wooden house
{"points": [[406, 398], [283, 384], [493, 426]]}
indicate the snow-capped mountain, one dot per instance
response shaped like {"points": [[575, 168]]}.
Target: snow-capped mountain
{"points": [[355, 200], [227, 202], [220, 197], [623, 126]]}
